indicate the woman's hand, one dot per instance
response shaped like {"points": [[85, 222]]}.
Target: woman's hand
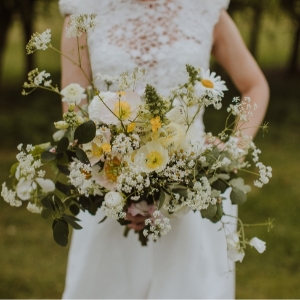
{"points": [[137, 222]]}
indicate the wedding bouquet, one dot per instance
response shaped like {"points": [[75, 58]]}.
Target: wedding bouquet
{"points": [[133, 151]]}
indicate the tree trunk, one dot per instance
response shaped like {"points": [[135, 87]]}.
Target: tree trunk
{"points": [[293, 62], [27, 14], [6, 16], [256, 27]]}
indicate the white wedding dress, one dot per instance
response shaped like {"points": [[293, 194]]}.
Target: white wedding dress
{"points": [[191, 260]]}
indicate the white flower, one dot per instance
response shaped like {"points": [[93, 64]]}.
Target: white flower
{"points": [[73, 94], [113, 108], [152, 157], [39, 41], [175, 134], [176, 114], [258, 244], [113, 199], [25, 188], [47, 185], [209, 82], [33, 208], [234, 250], [58, 135], [80, 23], [9, 196]]}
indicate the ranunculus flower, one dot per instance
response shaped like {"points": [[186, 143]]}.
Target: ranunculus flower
{"points": [[115, 107], [258, 244], [73, 94], [152, 157]]}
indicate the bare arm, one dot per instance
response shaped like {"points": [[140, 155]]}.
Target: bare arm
{"points": [[231, 52], [72, 73]]}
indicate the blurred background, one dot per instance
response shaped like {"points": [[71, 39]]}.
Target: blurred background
{"points": [[33, 265]]}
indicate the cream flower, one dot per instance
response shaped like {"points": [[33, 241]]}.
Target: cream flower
{"points": [[175, 135], [115, 107], [152, 157], [25, 188], [258, 244], [209, 82], [176, 114], [73, 94]]}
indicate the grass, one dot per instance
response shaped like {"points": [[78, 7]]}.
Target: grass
{"points": [[33, 266]]}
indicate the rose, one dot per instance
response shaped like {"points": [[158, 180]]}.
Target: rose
{"points": [[258, 244]]}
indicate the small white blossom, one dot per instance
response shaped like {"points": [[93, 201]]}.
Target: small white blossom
{"points": [[33, 208], [39, 41], [9, 196], [80, 23], [73, 94], [258, 244], [234, 250]]}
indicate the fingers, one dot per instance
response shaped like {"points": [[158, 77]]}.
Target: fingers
{"points": [[137, 222]]}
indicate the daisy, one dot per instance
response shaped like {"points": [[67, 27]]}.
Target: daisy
{"points": [[209, 82]]}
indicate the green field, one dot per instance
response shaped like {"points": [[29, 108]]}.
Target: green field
{"points": [[33, 266]]}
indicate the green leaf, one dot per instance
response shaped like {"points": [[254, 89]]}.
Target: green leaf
{"points": [[46, 213], [220, 185], [162, 198], [219, 214], [81, 155], [124, 222], [63, 169], [209, 212], [62, 145], [238, 196], [61, 232], [74, 209], [85, 132], [58, 204], [143, 239], [48, 203], [72, 221], [48, 156], [102, 220], [13, 168], [64, 188]]}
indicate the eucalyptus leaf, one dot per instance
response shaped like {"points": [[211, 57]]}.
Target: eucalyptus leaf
{"points": [[48, 156], [58, 203], [85, 132], [62, 145], [209, 212], [240, 184], [102, 220], [238, 196], [220, 185], [61, 232], [81, 155], [74, 209]]}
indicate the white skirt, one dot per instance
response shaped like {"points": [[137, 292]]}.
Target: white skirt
{"points": [[189, 262]]}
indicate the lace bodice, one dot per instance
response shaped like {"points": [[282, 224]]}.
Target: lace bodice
{"points": [[158, 35]]}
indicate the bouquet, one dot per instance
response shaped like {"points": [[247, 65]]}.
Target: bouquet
{"points": [[134, 151]]}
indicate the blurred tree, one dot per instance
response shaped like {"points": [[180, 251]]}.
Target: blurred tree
{"points": [[258, 8], [292, 7], [26, 10]]}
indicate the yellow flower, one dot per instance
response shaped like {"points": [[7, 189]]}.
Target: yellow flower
{"points": [[131, 127], [106, 147], [156, 123]]}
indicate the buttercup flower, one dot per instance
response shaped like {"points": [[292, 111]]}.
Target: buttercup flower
{"points": [[73, 94], [258, 244], [209, 82]]}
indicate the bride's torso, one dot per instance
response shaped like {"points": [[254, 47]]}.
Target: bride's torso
{"points": [[161, 36]]}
